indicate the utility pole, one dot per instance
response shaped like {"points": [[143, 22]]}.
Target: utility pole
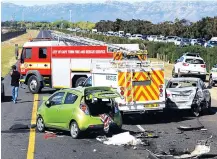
{"points": [[70, 12], [22, 19]]}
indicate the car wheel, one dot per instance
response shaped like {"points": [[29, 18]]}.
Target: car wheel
{"points": [[209, 107], [74, 130], [196, 110], [40, 124], [34, 84], [173, 73], [79, 81]]}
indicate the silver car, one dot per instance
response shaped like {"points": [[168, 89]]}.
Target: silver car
{"points": [[188, 93]]}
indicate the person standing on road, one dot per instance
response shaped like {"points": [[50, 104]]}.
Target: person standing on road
{"points": [[15, 77]]}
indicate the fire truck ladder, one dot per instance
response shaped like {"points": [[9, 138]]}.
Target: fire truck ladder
{"points": [[112, 48]]}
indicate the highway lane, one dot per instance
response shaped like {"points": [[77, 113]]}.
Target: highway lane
{"points": [[44, 34], [15, 143]]}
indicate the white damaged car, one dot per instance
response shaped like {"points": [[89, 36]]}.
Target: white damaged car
{"points": [[188, 93]]}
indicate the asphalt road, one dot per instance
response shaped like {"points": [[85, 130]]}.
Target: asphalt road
{"points": [[44, 34], [15, 142]]}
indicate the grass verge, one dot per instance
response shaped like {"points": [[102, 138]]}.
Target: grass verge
{"points": [[8, 50]]}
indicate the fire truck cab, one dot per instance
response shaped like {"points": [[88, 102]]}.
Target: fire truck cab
{"points": [[56, 64]]}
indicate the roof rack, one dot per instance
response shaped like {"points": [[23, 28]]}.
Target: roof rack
{"points": [[125, 64]]}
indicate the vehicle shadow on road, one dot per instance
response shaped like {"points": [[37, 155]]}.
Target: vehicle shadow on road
{"points": [[158, 118]]}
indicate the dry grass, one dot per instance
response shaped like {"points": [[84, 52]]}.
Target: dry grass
{"points": [[8, 50]]}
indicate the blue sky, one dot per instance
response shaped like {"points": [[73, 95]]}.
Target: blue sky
{"points": [[44, 2]]}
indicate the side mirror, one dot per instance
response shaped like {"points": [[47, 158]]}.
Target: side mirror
{"points": [[2, 78], [176, 61], [48, 103]]}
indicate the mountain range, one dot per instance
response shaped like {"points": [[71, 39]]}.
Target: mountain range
{"points": [[154, 11]]}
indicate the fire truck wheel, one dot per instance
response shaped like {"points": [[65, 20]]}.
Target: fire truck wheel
{"points": [[79, 81], [34, 84]]}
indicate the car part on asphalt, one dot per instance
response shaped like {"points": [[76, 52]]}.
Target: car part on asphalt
{"points": [[201, 148], [120, 139], [186, 128]]}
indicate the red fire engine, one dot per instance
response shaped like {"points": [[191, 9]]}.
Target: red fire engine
{"points": [[54, 64]]}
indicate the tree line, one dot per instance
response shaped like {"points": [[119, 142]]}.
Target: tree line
{"points": [[59, 24], [204, 28]]}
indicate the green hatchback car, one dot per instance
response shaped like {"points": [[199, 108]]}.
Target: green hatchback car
{"points": [[79, 109]]}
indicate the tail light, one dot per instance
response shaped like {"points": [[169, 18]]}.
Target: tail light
{"points": [[161, 90], [185, 64], [84, 108], [167, 95], [203, 66], [122, 91]]}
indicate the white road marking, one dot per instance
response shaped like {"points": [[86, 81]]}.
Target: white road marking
{"points": [[140, 128]]}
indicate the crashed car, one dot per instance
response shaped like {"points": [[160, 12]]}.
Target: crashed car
{"points": [[188, 93], [80, 109], [213, 76]]}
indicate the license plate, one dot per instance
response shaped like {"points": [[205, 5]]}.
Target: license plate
{"points": [[180, 97], [151, 105]]}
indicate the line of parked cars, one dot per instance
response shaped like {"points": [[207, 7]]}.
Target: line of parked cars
{"points": [[179, 41]]}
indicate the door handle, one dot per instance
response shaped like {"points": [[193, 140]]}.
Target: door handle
{"points": [[45, 65], [30, 64]]}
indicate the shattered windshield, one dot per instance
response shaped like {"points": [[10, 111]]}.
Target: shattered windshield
{"points": [[182, 84]]}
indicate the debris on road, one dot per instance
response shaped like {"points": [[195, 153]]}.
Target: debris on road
{"points": [[146, 135], [94, 150], [189, 128], [49, 134], [202, 147], [120, 139]]}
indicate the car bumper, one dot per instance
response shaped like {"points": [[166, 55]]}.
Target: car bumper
{"points": [[179, 105], [190, 73]]}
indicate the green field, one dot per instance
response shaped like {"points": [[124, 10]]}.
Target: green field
{"points": [[8, 50]]}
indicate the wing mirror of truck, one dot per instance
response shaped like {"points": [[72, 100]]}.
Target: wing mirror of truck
{"points": [[2, 78]]}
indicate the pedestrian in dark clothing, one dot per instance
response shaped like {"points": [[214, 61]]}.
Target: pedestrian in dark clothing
{"points": [[15, 77]]}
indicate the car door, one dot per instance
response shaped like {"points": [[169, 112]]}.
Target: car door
{"points": [[67, 111], [206, 93], [52, 111]]}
